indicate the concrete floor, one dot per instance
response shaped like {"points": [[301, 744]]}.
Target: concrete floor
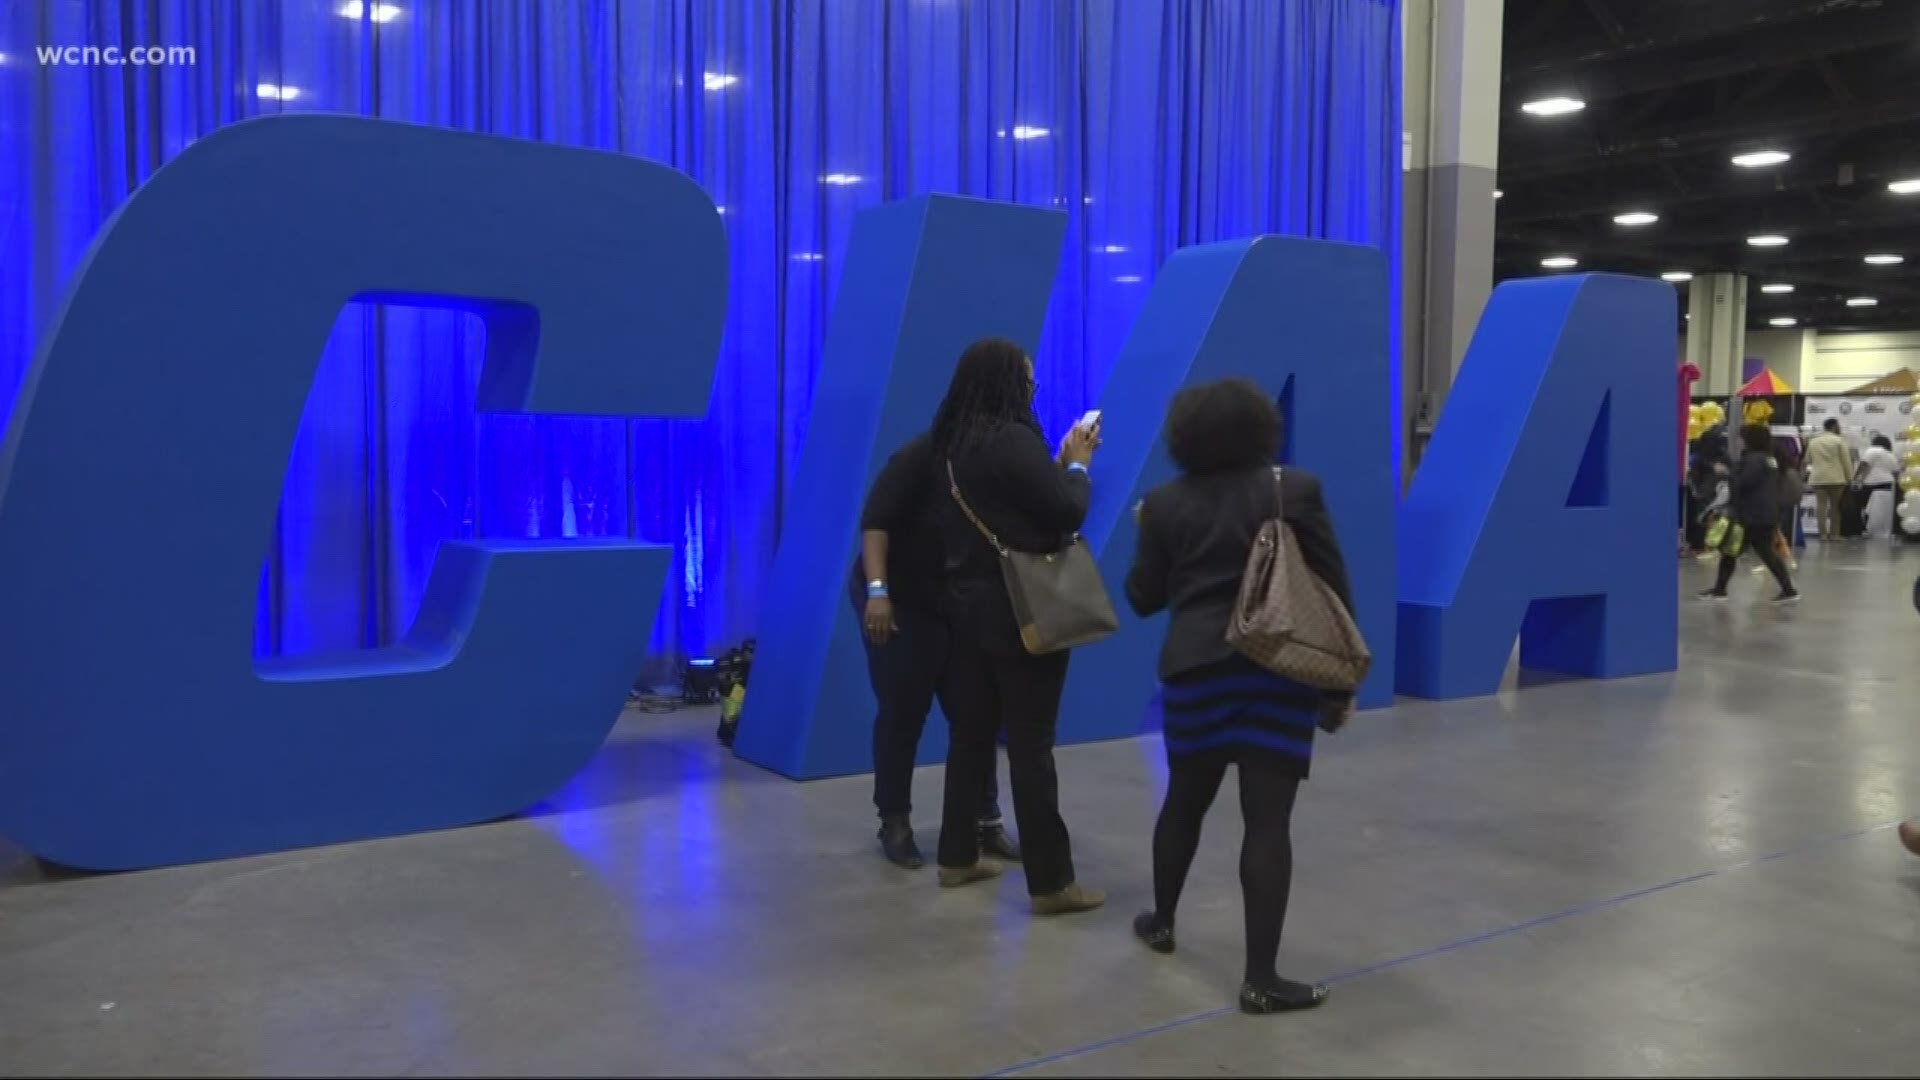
{"points": [[1690, 875]]}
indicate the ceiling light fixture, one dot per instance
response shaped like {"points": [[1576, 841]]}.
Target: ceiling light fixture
{"points": [[1677, 275], [1776, 287], [1767, 240], [1559, 262], [1560, 105], [1861, 301], [1905, 187], [1758, 159], [1497, 193], [1636, 217], [1783, 320], [1885, 260]]}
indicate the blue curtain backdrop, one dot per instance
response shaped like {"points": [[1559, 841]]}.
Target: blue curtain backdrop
{"points": [[1153, 125]]}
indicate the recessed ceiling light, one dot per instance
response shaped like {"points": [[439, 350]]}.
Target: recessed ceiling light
{"points": [[1677, 275], [1553, 106], [1497, 193], [1559, 262], [714, 80], [274, 92], [1861, 301], [1776, 287], [1885, 260], [1761, 158], [1767, 240], [1905, 187], [1783, 320], [1636, 217]]}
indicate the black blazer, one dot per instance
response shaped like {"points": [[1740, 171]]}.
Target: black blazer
{"points": [[1029, 500], [1195, 535]]}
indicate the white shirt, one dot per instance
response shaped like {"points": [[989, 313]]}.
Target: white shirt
{"points": [[1881, 465]]}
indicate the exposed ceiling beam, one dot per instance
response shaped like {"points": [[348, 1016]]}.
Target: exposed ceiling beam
{"points": [[1825, 120], [1677, 24], [1609, 195], [1644, 75]]}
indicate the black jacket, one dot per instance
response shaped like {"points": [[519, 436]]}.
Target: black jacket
{"points": [[1028, 500], [905, 502], [1195, 535], [1756, 491]]}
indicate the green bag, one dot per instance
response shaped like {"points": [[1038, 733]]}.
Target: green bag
{"points": [[1727, 537]]}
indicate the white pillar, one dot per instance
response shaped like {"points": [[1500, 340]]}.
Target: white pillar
{"points": [[1717, 331]]}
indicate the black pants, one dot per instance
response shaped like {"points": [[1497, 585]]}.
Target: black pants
{"points": [[905, 673], [986, 693], [1267, 790], [1691, 509], [1760, 543]]}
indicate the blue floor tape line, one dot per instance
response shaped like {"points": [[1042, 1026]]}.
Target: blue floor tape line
{"points": [[1455, 946]]}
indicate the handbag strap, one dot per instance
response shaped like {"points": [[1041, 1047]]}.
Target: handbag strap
{"points": [[953, 483]]}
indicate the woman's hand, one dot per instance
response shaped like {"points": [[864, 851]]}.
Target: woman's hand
{"points": [[1078, 447], [878, 621]]}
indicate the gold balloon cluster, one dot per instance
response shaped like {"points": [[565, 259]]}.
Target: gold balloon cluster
{"points": [[1708, 415], [1757, 412]]}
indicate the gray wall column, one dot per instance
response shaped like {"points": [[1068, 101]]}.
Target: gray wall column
{"points": [[1717, 331], [1451, 105]]}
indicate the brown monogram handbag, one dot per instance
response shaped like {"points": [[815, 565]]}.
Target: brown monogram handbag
{"points": [[1291, 622], [1058, 599]]}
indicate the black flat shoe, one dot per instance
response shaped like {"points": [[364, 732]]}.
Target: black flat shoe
{"points": [[896, 843], [1153, 933], [997, 843], [1283, 996]]}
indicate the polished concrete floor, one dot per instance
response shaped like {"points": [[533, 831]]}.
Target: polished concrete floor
{"points": [[1692, 874]]}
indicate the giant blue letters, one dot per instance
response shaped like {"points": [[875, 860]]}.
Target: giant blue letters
{"points": [[1544, 507], [925, 277], [135, 727], [1282, 311]]}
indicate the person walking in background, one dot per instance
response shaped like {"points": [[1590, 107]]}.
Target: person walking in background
{"points": [[1756, 509], [896, 587], [1829, 470], [1710, 469], [987, 438], [1220, 708], [1876, 475], [1792, 489]]}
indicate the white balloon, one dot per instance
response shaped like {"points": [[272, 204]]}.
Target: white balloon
{"points": [[1911, 524], [1910, 504]]}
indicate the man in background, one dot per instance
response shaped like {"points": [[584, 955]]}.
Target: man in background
{"points": [[896, 587], [1829, 470]]}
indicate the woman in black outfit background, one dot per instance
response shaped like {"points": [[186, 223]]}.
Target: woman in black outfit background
{"points": [[986, 431], [1220, 708]]}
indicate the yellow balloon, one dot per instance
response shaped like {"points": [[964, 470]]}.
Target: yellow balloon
{"points": [[1916, 400], [1912, 434], [1912, 459], [1910, 481]]}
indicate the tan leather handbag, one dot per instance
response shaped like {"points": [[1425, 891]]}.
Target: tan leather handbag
{"points": [[1058, 598], [1291, 622]]}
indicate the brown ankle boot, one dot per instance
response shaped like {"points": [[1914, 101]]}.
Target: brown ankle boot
{"points": [[952, 877], [1068, 901]]}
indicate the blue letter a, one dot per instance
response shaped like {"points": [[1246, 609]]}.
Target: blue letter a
{"points": [[1545, 505]]}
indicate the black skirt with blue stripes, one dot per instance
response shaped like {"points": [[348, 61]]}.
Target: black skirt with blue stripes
{"points": [[1236, 709]]}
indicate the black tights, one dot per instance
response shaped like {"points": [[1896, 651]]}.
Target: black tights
{"points": [[1267, 790], [1760, 542]]}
